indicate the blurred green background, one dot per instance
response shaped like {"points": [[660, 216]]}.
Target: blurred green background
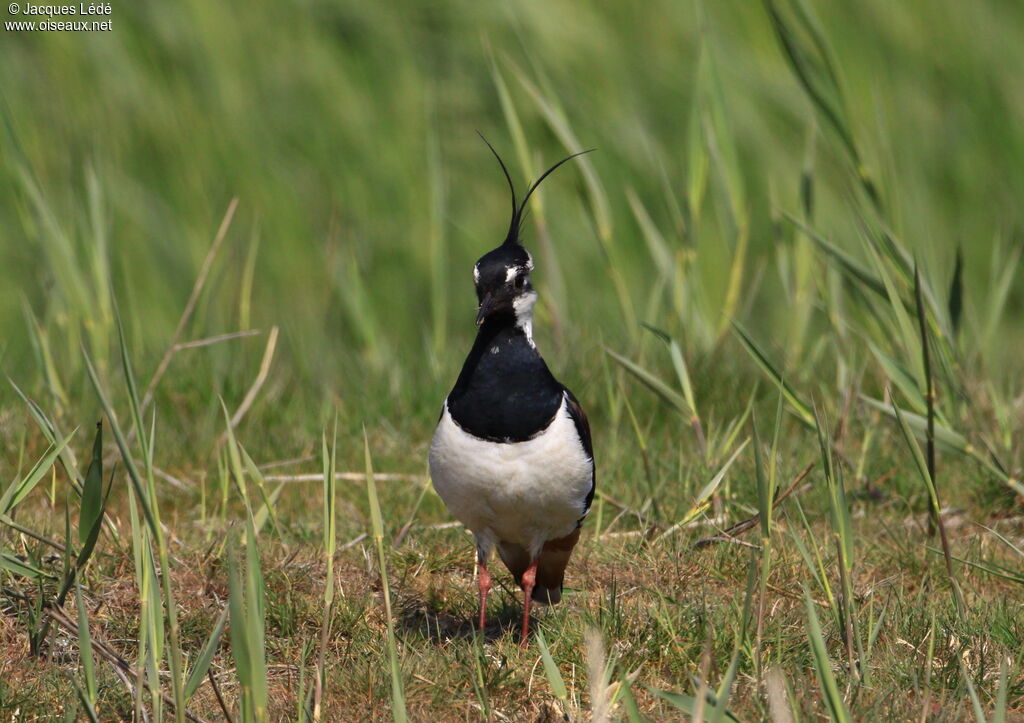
{"points": [[346, 130]]}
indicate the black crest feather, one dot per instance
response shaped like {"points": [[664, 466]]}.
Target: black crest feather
{"points": [[512, 239]]}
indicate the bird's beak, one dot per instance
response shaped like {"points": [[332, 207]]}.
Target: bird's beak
{"points": [[487, 305]]}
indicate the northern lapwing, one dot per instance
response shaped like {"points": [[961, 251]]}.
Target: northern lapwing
{"points": [[512, 456]]}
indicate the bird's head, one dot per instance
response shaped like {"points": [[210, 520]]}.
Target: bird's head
{"points": [[503, 287], [502, 276]]}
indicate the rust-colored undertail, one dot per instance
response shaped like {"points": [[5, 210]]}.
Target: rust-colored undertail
{"points": [[554, 557]]}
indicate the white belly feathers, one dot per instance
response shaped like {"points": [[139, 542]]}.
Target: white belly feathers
{"points": [[522, 492]]}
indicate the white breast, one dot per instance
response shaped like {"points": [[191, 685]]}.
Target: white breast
{"points": [[522, 492]]}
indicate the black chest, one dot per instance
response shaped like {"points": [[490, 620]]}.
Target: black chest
{"points": [[505, 391]]}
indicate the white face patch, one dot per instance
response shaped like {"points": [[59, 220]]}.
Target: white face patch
{"points": [[529, 261], [511, 272], [523, 307], [476, 274]]}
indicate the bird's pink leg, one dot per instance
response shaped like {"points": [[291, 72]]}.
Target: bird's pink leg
{"points": [[483, 581], [529, 579]]}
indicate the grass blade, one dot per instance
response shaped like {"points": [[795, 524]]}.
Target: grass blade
{"points": [[804, 46], [683, 375], [849, 266], [92, 490], [205, 658], [999, 714], [956, 293], [823, 665], [397, 691], [12, 563], [87, 706], [18, 490], [85, 648], [688, 703], [702, 500], [799, 406], [976, 707], [330, 535], [667, 394], [254, 621], [241, 651], [724, 692], [628, 699], [551, 671], [50, 430], [936, 509]]}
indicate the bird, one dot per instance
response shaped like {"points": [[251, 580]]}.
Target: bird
{"points": [[512, 456]]}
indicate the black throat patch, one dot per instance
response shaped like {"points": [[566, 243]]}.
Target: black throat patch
{"points": [[505, 392]]}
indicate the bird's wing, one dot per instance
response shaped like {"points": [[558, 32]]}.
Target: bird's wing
{"points": [[580, 420], [583, 430]]}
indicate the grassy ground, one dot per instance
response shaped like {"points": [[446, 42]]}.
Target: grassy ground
{"points": [[786, 290]]}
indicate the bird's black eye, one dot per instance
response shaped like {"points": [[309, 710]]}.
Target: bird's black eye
{"points": [[520, 282]]}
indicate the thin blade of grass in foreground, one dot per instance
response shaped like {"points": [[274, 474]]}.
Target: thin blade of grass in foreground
{"points": [[145, 494], [703, 499], [85, 651], [255, 592], [683, 374], [991, 568], [247, 600], [628, 699], [148, 443], [241, 645], [52, 433], [724, 692], [91, 511], [92, 490], [766, 485], [800, 407], [330, 545], [845, 604], [929, 384], [976, 707], [714, 703], [330, 520], [397, 692], [18, 490], [999, 715], [656, 385], [935, 509], [688, 703], [551, 671], [823, 665], [199, 670], [11, 562], [83, 698]]}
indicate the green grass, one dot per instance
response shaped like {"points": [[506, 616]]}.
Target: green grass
{"points": [[786, 289]]}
